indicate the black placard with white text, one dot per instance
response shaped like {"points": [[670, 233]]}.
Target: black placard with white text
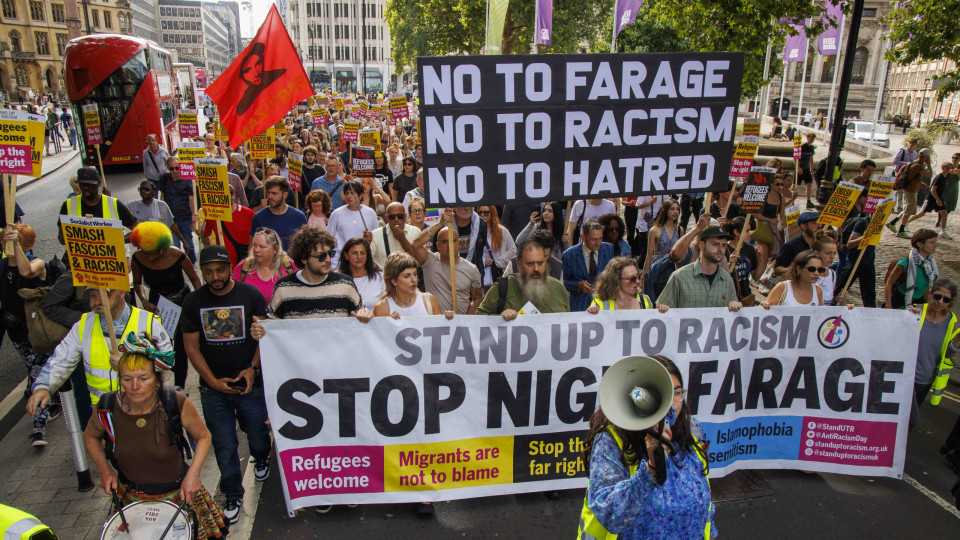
{"points": [[500, 129]]}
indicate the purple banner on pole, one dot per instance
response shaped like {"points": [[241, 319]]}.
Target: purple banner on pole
{"points": [[796, 47], [625, 14], [544, 29], [829, 41]]}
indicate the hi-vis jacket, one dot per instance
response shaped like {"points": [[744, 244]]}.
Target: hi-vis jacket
{"points": [[87, 343], [942, 376]]}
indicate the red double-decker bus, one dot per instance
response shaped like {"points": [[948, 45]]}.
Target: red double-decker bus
{"points": [[132, 82]]}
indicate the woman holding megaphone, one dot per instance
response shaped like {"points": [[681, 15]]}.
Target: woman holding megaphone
{"points": [[626, 497]]}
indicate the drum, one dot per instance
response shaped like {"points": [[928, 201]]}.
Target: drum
{"points": [[147, 520]]}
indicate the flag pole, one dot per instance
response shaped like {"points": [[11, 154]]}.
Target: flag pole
{"points": [[836, 72], [803, 76], [613, 29]]}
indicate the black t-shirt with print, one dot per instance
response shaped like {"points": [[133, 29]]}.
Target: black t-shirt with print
{"points": [[223, 323], [746, 263]]}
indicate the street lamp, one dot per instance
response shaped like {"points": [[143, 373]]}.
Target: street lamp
{"points": [[313, 56], [923, 102], [363, 34]]}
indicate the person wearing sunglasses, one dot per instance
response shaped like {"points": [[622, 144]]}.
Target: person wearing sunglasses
{"points": [[618, 287], [315, 291], [395, 237], [800, 288], [149, 208], [939, 341], [178, 193], [406, 180]]}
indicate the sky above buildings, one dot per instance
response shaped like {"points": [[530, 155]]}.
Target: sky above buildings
{"points": [[258, 9]]}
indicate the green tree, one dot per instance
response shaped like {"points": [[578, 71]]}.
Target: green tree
{"points": [[926, 30], [440, 27], [726, 25]]}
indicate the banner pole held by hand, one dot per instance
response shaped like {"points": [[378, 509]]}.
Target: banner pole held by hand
{"points": [[853, 271], [453, 265], [107, 314], [103, 177], [10, 205]]}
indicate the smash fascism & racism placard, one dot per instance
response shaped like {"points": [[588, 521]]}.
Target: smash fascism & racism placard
{"points": [[576, 126]]}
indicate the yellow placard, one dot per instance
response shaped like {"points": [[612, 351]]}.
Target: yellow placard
{"points": [[370, 138], [21, 142], [263, 146], [310, 101], [214, 189], [338, 104], [447, 465], [837, 209], [190, 151], [875, 228], [280, 128], [350, 129], [187, 120], [745, 150], [751, 127], [96, 252]]}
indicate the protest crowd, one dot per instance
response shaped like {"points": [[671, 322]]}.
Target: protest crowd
{"points": [[336, 223]]}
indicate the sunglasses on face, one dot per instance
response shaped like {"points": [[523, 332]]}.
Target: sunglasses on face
{"points": [[484, 212], [942, 298], [396, 216], [817, 269], [322, 256], [631, 279], [175, 168]]}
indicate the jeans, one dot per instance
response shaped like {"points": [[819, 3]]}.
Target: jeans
{"points": [[919, 394], [186, 229], [221, 413], [73, 137]]}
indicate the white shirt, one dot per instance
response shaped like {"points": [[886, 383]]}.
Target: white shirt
{"points": [[378, 249], [370, 288], [652, 210], [827, 284], [592, 211], [345, 224]]}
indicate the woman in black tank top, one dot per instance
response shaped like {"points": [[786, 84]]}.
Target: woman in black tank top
{"points": [[161, 267]]}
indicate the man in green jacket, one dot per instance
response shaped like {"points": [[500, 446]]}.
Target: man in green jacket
{"points": [[531, 290]]}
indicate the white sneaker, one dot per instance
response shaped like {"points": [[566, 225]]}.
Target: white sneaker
{"points": [[945, 235]]}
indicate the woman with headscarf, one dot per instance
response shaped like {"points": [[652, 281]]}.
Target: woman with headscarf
{"points": [[908, 282]]}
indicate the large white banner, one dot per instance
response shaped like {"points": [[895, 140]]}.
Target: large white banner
{"points": [[425, 409]]}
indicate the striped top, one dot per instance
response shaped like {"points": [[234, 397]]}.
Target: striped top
{"points": [[293, 298]]}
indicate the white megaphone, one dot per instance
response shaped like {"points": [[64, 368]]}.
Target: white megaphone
{"points": [[636, 393]]}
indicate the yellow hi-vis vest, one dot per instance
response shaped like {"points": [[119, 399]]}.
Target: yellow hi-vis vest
{"points": [[946, 364], [108, 204], [19, 524], [591, 528], [605, 305], [96, 352]]}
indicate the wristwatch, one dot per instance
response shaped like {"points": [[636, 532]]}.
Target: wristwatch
{"points": [[256, 370]]}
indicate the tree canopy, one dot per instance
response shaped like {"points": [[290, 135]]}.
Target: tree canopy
{"points": [[926, 30], [440, 27]]}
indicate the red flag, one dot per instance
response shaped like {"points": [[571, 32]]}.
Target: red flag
{"points": [[261, 84]]}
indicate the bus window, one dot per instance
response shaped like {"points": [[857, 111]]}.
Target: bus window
{"points": [[115, 94], [168, 112]]}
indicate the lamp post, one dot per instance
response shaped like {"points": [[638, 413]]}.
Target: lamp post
{"points": [[363, 34], [923, 102], [313, 52]]}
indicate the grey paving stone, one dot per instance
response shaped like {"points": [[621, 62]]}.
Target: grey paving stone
{"points": [[30, 497]]}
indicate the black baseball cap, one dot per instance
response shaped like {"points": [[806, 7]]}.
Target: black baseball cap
{"points": [[714, 232], [88, 175], [211, 254]]}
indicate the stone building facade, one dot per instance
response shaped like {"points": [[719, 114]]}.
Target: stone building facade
{"points": [[34, 35]]}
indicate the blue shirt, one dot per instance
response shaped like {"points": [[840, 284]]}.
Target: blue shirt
{"points": [[637, 507], [324, 184], [285, 224]]}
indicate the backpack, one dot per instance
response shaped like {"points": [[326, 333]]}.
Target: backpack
{"points": [[43, 334], [900, 182], [168, 400], [898, 297]]}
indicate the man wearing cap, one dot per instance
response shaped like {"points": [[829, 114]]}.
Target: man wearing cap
{"points": [[914, 174], [92, 202], [87, 342], [794, 246], [216, 321], [702, 283]]}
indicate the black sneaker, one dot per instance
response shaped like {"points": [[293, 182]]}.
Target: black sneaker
{"points": [[261, 469], [811, 206], [231, 510], [37, 439], [54, 410]]}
